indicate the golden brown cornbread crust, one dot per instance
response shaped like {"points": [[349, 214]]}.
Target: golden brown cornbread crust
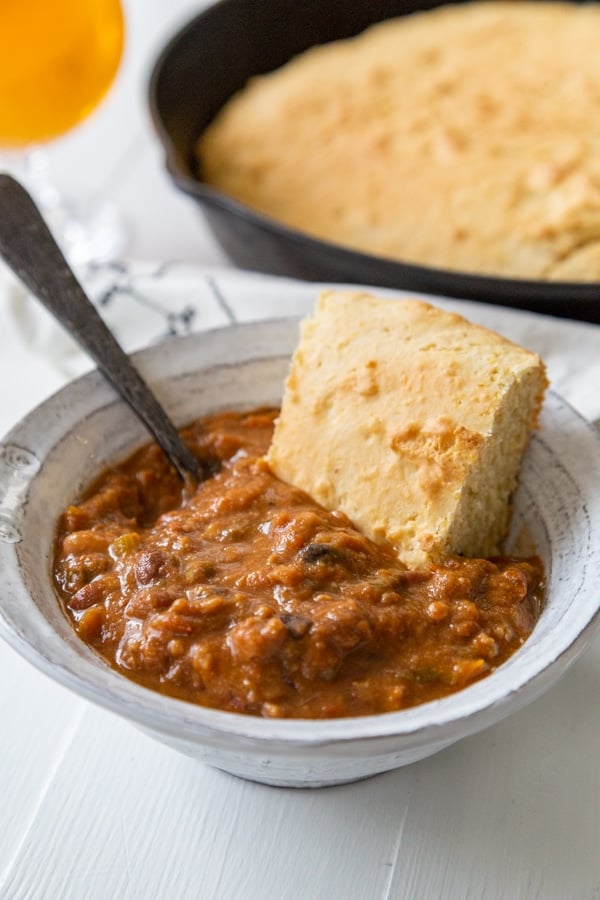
{"points": [[467, 137], [410, 420]]}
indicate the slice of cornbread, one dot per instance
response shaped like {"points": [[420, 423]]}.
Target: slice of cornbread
{"points": [[410, 420]]}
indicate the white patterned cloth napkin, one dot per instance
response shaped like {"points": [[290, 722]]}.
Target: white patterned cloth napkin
{"points": [[145, 303]]}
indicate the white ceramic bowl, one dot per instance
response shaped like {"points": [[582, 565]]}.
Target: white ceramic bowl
{"points": [[57, 450]]}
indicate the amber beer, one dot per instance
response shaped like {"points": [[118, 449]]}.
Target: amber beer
{"points": [[57, 59]]}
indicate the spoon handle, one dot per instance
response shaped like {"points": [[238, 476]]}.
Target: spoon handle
{"points": [[28, 247]]}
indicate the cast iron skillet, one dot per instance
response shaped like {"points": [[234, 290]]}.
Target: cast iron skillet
{"points": [[211, 58]]}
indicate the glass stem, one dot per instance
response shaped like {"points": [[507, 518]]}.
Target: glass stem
{"points": [[86, 239]]}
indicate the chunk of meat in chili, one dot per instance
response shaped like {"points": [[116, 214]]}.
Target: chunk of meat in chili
{"points": [[250, 597]]}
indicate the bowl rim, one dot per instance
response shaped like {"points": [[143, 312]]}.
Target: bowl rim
{"points": [[436, 279], [170, 715]]}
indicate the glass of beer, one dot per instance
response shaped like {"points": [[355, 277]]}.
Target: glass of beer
{"points": [[57, 60]]}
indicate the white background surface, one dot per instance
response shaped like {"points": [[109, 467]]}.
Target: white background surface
{"points": [[91, 808]]}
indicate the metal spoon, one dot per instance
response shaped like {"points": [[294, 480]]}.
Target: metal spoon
{"points": [[32, 253]]}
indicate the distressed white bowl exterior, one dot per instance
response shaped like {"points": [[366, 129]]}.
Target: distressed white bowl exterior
{"points": [[53, 454]]}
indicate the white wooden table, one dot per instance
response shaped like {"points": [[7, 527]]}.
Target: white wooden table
{"points": [[91, 808]]}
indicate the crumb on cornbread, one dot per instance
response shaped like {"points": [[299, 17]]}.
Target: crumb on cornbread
{"points": [[410, 420]]}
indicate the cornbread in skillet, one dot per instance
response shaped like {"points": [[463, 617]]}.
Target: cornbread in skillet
{"points": [[410, 420], [467, 137]]}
